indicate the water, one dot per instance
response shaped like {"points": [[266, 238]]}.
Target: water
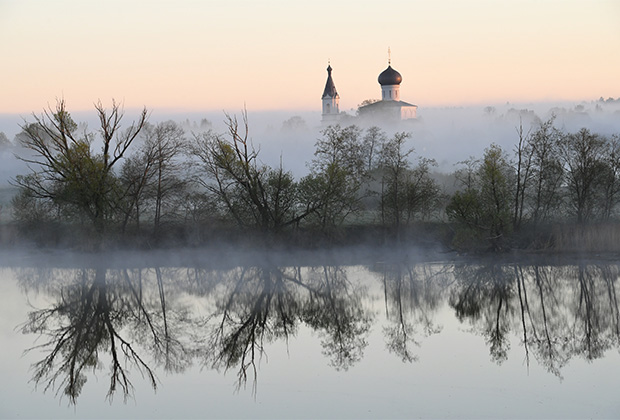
{"points": [[375, 338]]}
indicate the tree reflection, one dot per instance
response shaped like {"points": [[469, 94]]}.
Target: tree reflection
{"points": [[596, 310], [485, 296], [543, 315], [562, 311], [99, 315], [256, 306], [412, 295], [144, 319], [333, 307], [259, 305]]}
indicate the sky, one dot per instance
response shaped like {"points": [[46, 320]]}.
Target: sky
{"points": [[184, 55]]}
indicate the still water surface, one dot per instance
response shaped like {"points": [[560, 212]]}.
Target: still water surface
{"points": [[380, 338]]}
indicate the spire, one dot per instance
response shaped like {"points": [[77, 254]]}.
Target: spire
{"points": [[330, 87]]}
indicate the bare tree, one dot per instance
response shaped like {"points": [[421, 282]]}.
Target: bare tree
{"points": [[164, 144], [252, 193], [545, 194], [524, 154], [66, 169]]}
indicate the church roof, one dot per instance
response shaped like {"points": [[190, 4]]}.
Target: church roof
{"points": [[390, 76], [385, 105], [330, 87]]}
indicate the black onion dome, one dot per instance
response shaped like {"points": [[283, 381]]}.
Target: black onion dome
{"points": [[390, 76]]}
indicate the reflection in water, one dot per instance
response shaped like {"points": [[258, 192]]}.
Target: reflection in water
{"points": [[561, 312], [169, 319], [102, 315], [128, 315], [258, 305], [484, 296], [412, 295]]}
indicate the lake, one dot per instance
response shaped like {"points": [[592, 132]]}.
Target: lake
{"points": [[313, 335]]}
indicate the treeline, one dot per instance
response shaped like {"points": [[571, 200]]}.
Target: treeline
{"points": [[148, 184]]}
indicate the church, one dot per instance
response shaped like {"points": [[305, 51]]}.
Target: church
{"points": [[390, 108]]}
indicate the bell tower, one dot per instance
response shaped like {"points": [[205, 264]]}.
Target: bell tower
{"points": [[330, 99]]}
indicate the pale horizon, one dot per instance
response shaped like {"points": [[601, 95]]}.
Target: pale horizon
{"points": [[187, 56]]}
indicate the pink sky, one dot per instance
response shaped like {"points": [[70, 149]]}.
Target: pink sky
{"points": [[214, 55]]}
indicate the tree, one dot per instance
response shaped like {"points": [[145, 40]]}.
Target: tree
{"points": [[495, 179], [252, 194], [364, 103], [423, 193], [164, 143], [371, 142], [523, 175], [610, 179], [5, 143], [583, 155], [65, 168], [483, 209], [332, 191], [544, 194], [295, 123], [394, 165]]}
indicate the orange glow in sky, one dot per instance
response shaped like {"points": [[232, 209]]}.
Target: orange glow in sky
{"points": [[272, 54]]}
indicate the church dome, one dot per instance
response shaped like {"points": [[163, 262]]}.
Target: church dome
{"points": [[390, 76]]}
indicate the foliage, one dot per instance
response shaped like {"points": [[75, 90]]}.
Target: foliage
{"points": [[406, 193], [484, 207], [332, 190], [67, 171]]}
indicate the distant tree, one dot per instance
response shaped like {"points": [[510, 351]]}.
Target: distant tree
{"points": [[295, 123], [5, 143], [489, 110], [366, 102], [205, 124], [65, 168]]}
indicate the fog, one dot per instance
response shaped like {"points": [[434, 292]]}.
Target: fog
{"points": [[446, 134]]}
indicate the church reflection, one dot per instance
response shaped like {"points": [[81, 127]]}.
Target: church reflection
{"points": [[122, 320]]}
